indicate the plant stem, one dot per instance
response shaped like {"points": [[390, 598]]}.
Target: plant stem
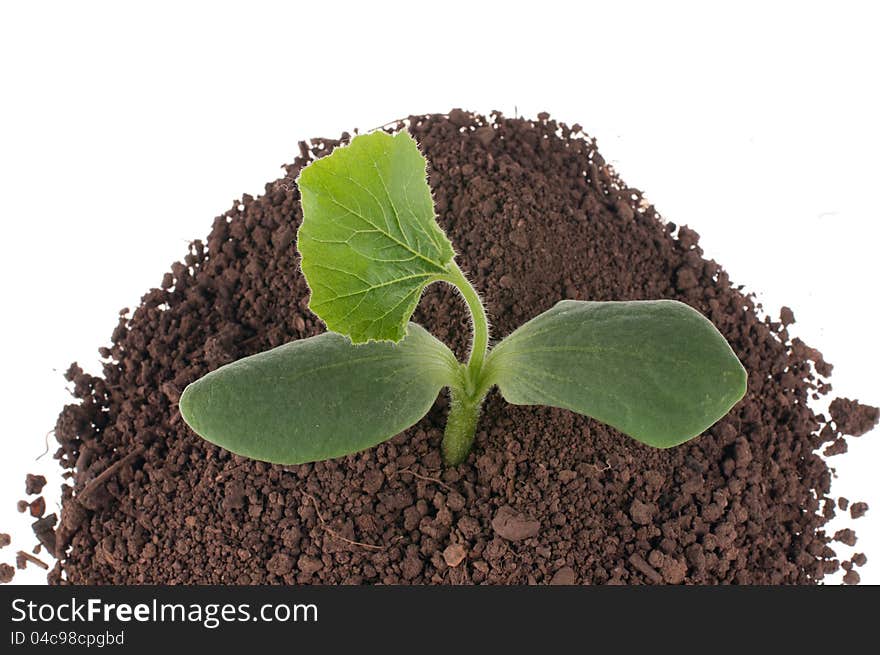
{"points": [[461, 426], [466, 399], [479, 323]]}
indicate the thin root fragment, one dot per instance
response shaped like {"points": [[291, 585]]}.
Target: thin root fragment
{"points": [[336, 535], [426, 478]]}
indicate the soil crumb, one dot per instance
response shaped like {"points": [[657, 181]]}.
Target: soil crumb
{"points": [[852, 417], [858, 510], [34, 484], [547, 496]]}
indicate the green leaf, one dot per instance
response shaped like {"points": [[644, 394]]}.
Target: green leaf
{"points": [[656, 370], [369, 241], [319, 398]]}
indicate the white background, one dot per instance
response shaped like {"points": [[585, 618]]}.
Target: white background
{"points": [[123, 132]]}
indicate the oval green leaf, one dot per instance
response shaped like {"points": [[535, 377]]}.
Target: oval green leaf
{"points": [[369, 240], [318, 398], [658, 371]]}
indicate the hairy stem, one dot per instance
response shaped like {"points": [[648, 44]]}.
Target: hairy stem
{"points": [[467, 398], [461, 426], [479, 322]]}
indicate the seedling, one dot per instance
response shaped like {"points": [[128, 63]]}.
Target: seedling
{"points": [[370, 244]]}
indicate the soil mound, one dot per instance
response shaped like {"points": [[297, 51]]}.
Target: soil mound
{"points": [[546, 495]]}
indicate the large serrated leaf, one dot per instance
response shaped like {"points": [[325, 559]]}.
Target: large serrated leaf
{"points": [[369, 240], [656, 370], [319, 398]]}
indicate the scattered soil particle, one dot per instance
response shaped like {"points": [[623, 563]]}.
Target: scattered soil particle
{"points": [[851, 577], [6, 573], [536, 215], [564, 576], [514, 526], [309, 565], [858, 510], [673, 570], [645, 569], [852, 417], [842, 503], [641, 513], [5, 540], [837, 447], [846, 536], [859, 559], [22, 506], [34, 484], [44, 529], [786, 316], [454, 555], [38, 507], [279, 564]]}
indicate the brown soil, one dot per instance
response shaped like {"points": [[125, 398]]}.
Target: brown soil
{"points": [[33, 484], [546, 495], [853, 418]]}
